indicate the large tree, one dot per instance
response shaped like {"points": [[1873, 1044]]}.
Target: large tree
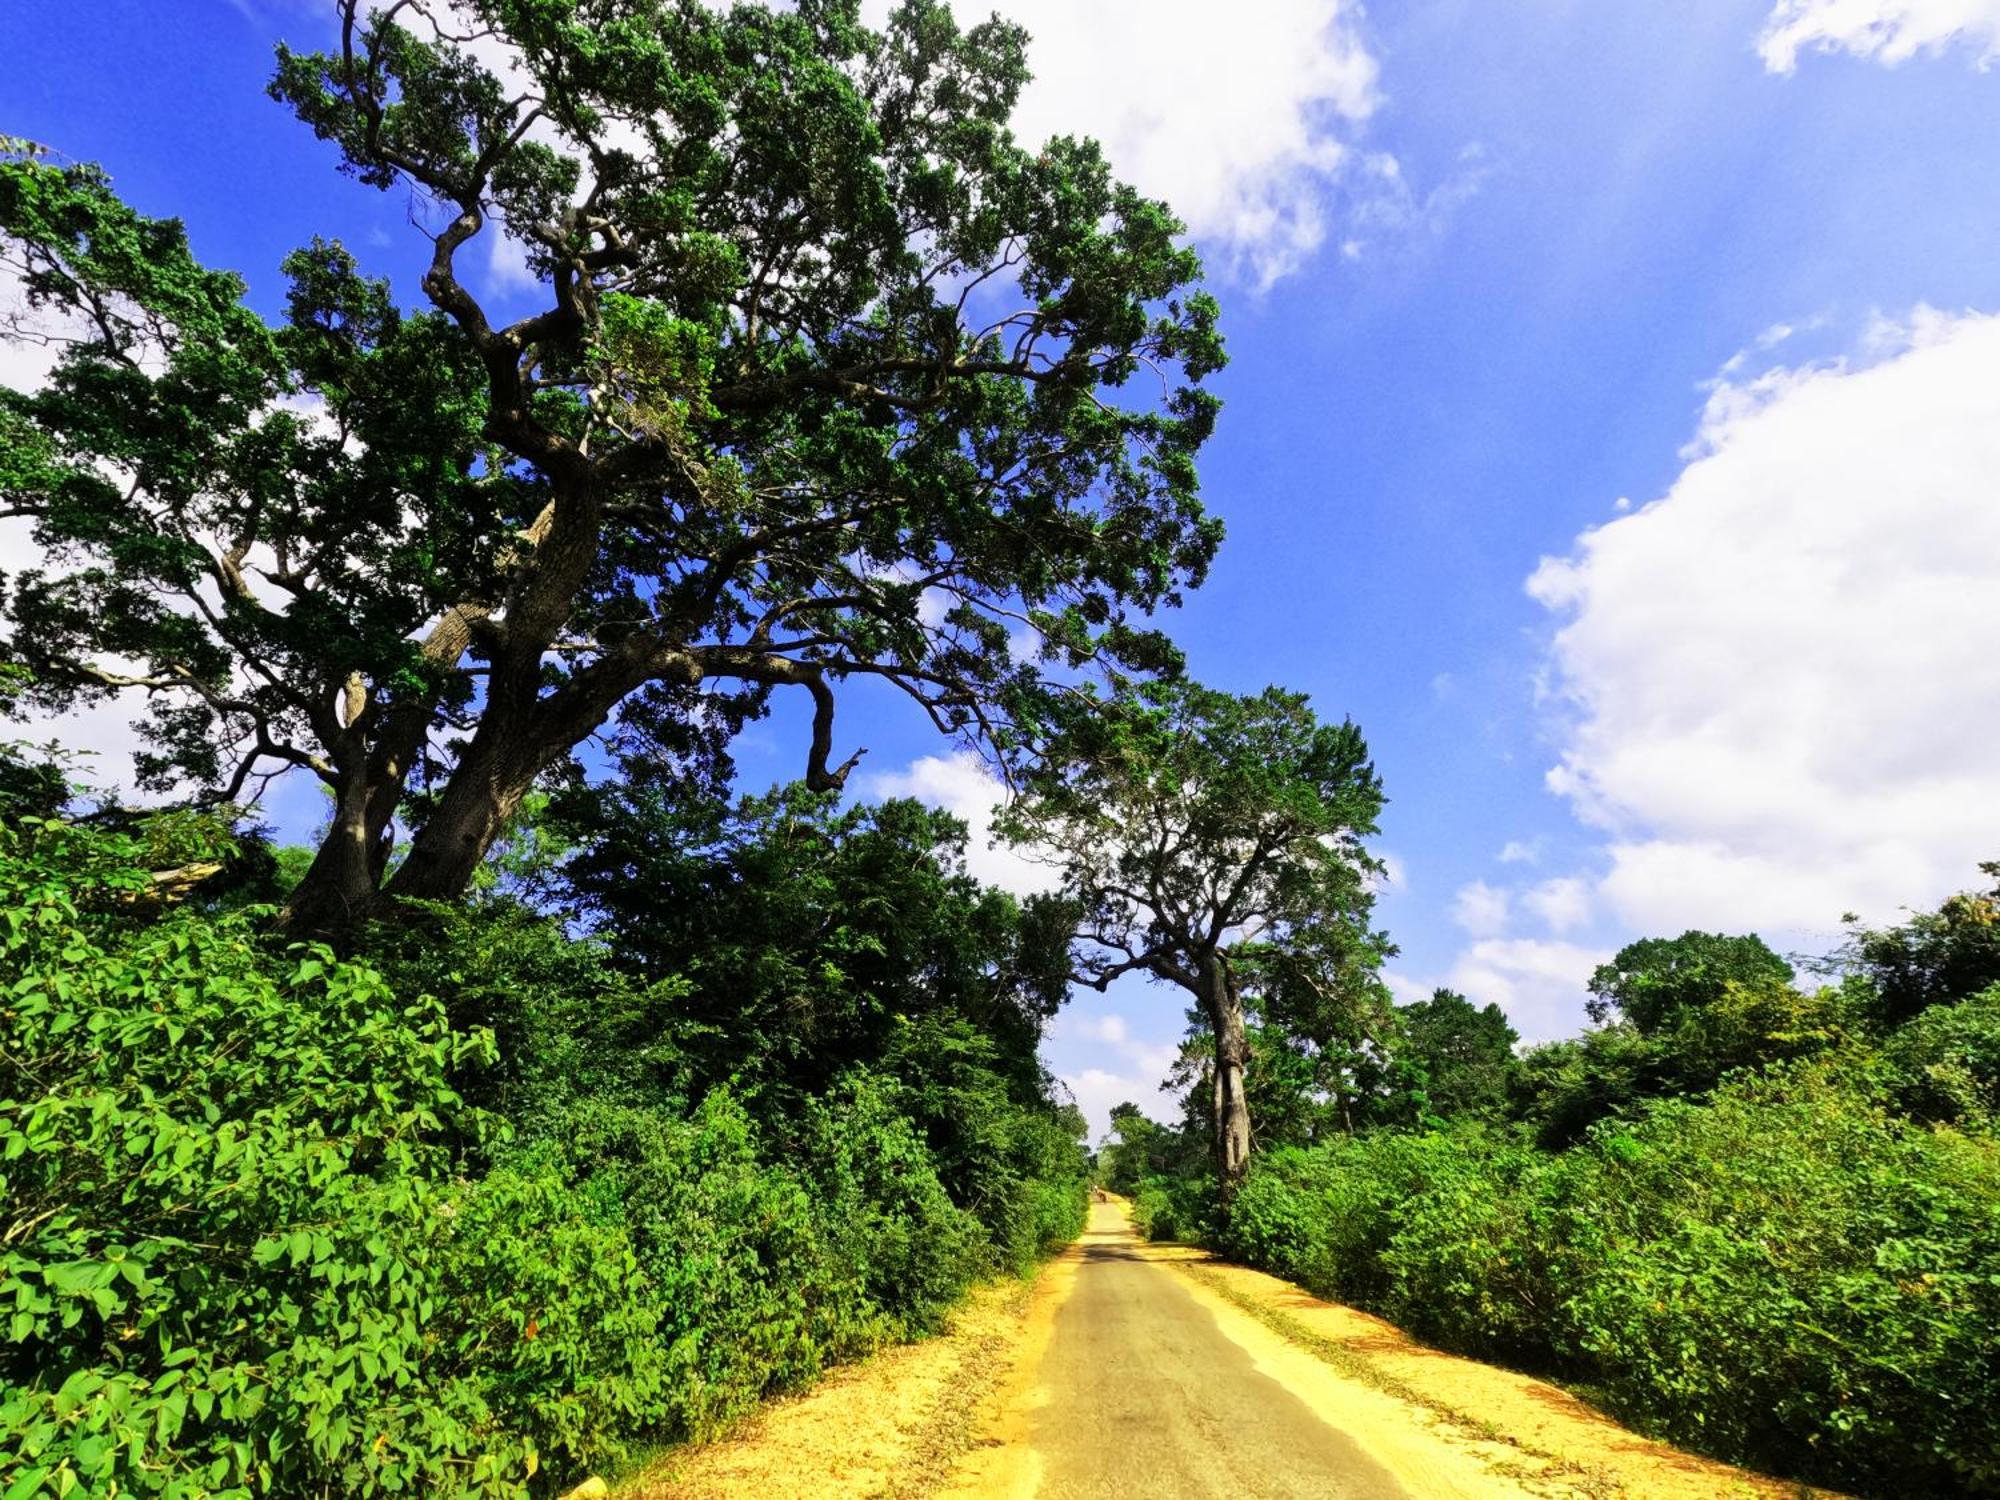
{"points": [[1211, 842], [1462, 1055], [1656, 983], [826, 378], [811, 938]]}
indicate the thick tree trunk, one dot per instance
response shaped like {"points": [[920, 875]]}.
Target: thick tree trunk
{"points": [[373, 747], [1232, 1059], [485, 791], [519, 736], [340, 884]]}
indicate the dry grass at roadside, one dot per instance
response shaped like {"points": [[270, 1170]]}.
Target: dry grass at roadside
{"points": [[888, 1428], [951, 1418], [1565, 1446]]}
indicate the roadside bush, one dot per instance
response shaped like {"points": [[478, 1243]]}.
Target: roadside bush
{"points": [[1049, 1202], [1174, 1208], [222, 1200], [569, 1025], [913, 1250], [1785, 1274], [1466, 1266], [1326, 1217], [548, 1308], [258, 1242], [748, 1292], [1945, 1065], [1016, 1165], [1790, 1275]]}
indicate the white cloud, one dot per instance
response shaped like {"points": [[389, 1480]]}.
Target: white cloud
{"points": [[961, 784], [1884, 31], [1405, 989], [1480, 909], [1539, 984], [1781, 681], [1110, 1028], [1098, 1091], [1394, 878], [1106, 1059], [1245, 128], [1087, 1022], [102, 733], [1521, 852], [507, 268], [1563, 904], [1243, 124]]}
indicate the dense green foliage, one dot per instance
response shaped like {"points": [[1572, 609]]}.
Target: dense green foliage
{"points": [[616, 1104], [758, 418], [277, 1222], [1760, 1221]]}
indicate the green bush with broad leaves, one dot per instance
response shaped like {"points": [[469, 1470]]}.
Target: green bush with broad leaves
{"points": [[225, 1206], [1174, 1208], [1793, 1274], [1787, 1272], [271, 1224]]}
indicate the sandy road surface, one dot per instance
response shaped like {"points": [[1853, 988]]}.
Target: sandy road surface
{"points": [[1141, 1381], [1160, 1373], [1146, 1395]]}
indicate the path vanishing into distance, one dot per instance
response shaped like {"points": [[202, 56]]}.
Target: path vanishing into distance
{"points": [[1142, 1391], [1130, 1369]]}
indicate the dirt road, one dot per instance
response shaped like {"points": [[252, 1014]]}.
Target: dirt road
{"points": [[1143, 1381], [1157, 1371], [1138, 1370], [1146, 1395]]}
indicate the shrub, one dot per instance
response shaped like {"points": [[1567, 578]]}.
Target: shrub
{"points": [[1326, 1217], [1791, 1275], [258, 1241], [1466, 1265], [1945, 1065], [1016, 1164], [913, 1250], [222, 1203], [1785, 1274], [1175, 1208]]}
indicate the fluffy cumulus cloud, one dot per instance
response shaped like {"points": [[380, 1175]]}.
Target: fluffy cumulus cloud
{"points": [[1539, 983], [1243, 124], [1247, 128], [1105, 1060], [1562, 904], [962, 785], [1779, 690], [1480, 909], [1884, 31]]}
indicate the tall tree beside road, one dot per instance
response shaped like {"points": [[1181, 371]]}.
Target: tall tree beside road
{"points": [[1211, 841]]}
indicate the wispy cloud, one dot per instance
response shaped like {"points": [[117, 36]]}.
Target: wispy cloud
{"points": [[1883, 31]]}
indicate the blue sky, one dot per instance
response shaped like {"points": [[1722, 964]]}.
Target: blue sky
{"points": [[1714, 278]]}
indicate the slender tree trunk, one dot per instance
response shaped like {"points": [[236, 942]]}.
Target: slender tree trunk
{"points": [[1232, 1059]]}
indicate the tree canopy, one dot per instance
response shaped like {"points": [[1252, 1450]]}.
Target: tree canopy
{"points": [[827, 377], [1657, 982], [807, 936]]}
